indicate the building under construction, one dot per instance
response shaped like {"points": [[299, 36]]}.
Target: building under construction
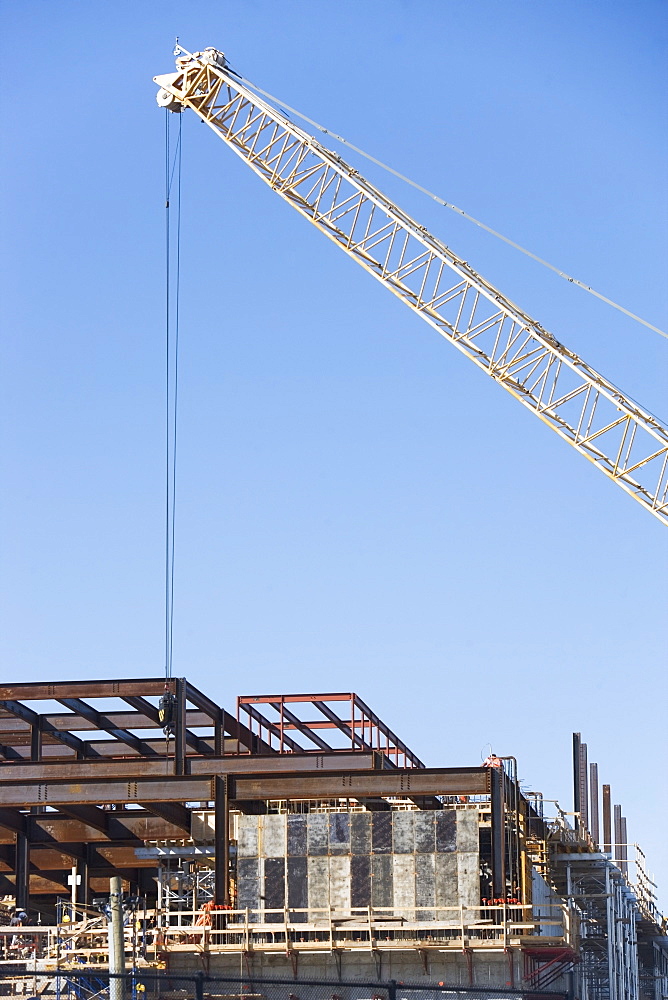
{"points": [[300, 837]]}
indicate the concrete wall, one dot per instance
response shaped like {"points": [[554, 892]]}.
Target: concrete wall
{"points": [[396, 860], [485, 970]]}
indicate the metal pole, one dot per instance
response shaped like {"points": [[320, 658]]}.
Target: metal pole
{"points": [[116, 943]]}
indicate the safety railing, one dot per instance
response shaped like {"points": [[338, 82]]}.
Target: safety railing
{"points": [[315, 929]]}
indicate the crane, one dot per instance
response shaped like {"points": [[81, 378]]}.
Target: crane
{"points": [[626, 442]]}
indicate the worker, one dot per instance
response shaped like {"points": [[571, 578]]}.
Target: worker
{"points": [[492, 761]]}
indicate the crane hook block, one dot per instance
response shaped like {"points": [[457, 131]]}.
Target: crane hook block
{"points": [[167, 711]]}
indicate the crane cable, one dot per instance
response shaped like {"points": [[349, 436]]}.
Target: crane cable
{"points": [[446, 204], [172, 168]]}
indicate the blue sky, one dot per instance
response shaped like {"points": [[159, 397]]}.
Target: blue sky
{"points": [[359, 508]]}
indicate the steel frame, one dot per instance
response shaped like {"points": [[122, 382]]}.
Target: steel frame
{"points": [[69, 798], [627, 443], [359, 725]]}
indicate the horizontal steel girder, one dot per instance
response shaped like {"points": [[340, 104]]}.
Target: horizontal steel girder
{"points": [[133, 767], [370, 784]]}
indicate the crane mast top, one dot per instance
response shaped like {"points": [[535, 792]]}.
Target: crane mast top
{"points": [[627, 443]]}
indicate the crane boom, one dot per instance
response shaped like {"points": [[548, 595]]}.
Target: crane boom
{"points": [[613, 432]]}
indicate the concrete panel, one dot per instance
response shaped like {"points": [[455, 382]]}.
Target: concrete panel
{"points": [[381, 832], [274, 887], [360, 880], [248, 885], [403, 838], [404, 884], [248, 896], [467, 830], [247, 844], [468, 879], [446, 830], [248, 868], [273, 836], [339, 883], [446, 883], [425, 836], [339, 833], [382, 881], [297, 836], [318, 834], [425, 889], [318, 887], [298, 887], [360, 833]]}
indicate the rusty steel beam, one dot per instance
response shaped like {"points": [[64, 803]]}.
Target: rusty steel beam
{"points": [[28, 715], [93, 792], [198, 744], [296, 723], [12, 820], [231, 725], [134, 828], [406, 783], [11, 726], [137, 767], [79, 707], [266, 724], [52, 691], [172, 812], [345, 727]]}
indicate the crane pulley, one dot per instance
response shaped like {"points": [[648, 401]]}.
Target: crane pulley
{"points": [[619, 437]]}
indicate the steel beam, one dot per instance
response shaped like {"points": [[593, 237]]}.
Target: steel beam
{"points": [[137, 767], [180, 728], [231, 725], [93, 792], [370, 784], [171, 812], [22, 871], [266, 724], [222, 842], [497, 776], [104, 724], [297, 723], [40, 691], [14, 707], [151, 712], [405, 783]]}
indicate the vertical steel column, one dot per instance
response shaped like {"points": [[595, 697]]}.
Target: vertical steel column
{"points": [[497, 776], [623, 851], [82, 871], [607, 820], [22, 871], [584, 787], [576, 779], [618, 833], [35, 742], [593, 803], [610, 934], [180, 727], [222, 840]]}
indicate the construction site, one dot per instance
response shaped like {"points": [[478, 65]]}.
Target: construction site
{"points": [[144, 828], [300, 837]]}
